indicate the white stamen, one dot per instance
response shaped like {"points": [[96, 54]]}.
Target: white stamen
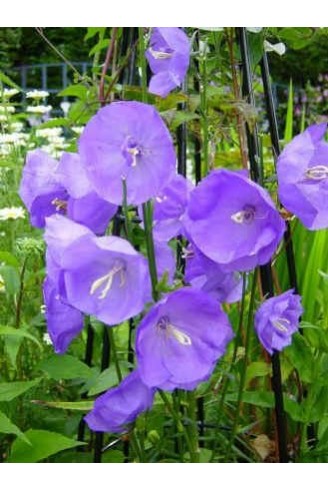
{"points": [[160, 55], [181, 337], [107, 281], [319, 172], [134, 152], [280, 324], [59, 204]]}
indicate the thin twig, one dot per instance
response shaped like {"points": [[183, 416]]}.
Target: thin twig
{"points": [[109, 55]]}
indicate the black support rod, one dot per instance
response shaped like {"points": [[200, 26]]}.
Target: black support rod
{"points": [[266, 272]]}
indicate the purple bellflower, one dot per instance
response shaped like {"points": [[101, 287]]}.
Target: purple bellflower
{"points": [[180, 339], [101, 276], [64, 322], [277, 319], [165, 261], [127, 141], [49, 187], [168, 58], [233, 221], [39, 189], [118, 407], [202, 273], [302, 170]]}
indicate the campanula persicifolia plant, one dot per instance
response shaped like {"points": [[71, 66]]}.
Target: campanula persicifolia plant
{"points": [[172, 288]]}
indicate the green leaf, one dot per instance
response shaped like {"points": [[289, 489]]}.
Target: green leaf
{"points": [[7, 427], [296, 37], [15, 332], [257, 370], [102, 44], [105, 380], [8, 259], [92, 31], [43, 445], [11, 279], [288, 135], [56, 122], [65, 367], [83, 406], [9, 391], [263, 399], [78, 90], [300, 356], [12, 346], [7, 81]]}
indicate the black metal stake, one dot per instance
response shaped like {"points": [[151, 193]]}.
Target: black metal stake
{"points": [[266, 272]]}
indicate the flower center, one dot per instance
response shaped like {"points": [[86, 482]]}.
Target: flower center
{"points": [[164, 325], [105, 282], [162, 54], [281, 324], [59, 204], [245, 216], [319, 172]]}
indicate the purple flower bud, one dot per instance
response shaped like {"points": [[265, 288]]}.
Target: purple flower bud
{"points": [[277, 319], [233, 221], [302, 171], [127, 141], [165, 261], [202, 273], [120, 406], [180, 339], [168, 58], [103, 276]]}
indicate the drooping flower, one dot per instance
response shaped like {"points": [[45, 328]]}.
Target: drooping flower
{"points": [[39, 189], [168, 58], [102, 276], [127, 141], [169, 207], [64, 322], [48, 187], [180, 339], [277, 319], [205, 274], [118, 407], [233, 221], [302, 171]]}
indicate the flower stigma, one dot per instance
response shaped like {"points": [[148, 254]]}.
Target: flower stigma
{"points": [[106, 281], [246, 216], [160, 55], [171, 331]]}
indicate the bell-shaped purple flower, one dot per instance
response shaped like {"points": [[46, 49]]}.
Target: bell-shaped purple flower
{"points": [[277, 319], [64, 322], [180, 339], [233, 221], [302, 170], [103, 276], [165, 261], [39, 189], [205, 274], [168, 58], [49, 187], [127, 141], [118, 407]]}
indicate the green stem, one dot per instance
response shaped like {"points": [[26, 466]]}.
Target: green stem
{"points": [[244, 370], [227, 379], [203, 107], [127, 222], [192, 428], [148, 220], [177, 418], [114, 354], [143, 64]]}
